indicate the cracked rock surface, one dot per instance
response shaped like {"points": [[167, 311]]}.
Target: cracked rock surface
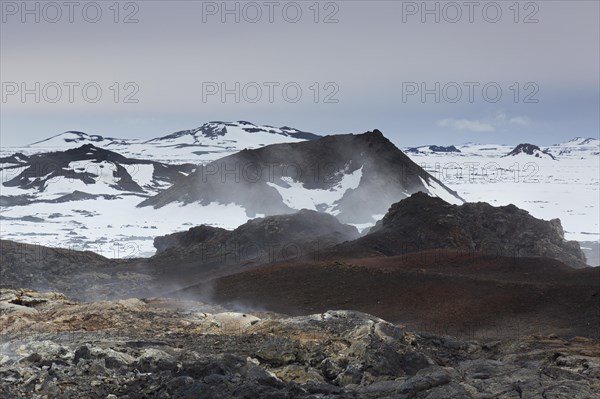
{"points": [[53, 347]]}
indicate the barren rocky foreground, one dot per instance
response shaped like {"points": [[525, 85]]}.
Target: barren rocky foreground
{"points": [[53, 347]]}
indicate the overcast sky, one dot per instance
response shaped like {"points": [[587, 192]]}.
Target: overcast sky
{"points": [[365, 68]]}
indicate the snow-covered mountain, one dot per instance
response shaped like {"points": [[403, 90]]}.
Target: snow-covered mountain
{"points": [[354, 177], [73, 139], [87, 169], [209, 142], [578, 147]]}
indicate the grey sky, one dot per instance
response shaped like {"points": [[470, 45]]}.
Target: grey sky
{"points": [[369, 55]]}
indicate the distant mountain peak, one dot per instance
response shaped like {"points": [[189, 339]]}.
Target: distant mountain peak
{"points": [[575, 139], [530, 149], [432, 148], [217, 129], [72, 136], [208, 142], [580, 141], [576, 147], [58, 173]]}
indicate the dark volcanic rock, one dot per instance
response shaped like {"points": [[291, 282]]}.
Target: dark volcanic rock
{"points": [[530, 149], [195, 235], [423, 222], [437, 148], [25, 265], [297, 229], [182, 259]]}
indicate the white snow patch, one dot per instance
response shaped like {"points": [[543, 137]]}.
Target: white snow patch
{"points": [[113, 228], [437, 190], [296, 196]]}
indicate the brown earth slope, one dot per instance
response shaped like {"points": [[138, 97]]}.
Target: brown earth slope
{"points": [[459, 293]]}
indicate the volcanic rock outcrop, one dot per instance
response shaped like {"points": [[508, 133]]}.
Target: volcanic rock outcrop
{"points": [[422, 222], [297, 229]]}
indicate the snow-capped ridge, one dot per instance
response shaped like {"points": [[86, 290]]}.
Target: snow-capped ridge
{"points": [[578, 147], [208, 142], [89, 169], [580, 141], [72, 138]]}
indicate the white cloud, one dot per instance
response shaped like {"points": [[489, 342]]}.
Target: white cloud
{"points": [[520, 120], [465, 124], [500, 119]]}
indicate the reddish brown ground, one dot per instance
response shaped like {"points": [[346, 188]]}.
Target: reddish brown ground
{"points": [[438, 291]]}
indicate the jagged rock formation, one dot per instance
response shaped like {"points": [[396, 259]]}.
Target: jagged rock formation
{"points": [[423, 222], [54, 347]]}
